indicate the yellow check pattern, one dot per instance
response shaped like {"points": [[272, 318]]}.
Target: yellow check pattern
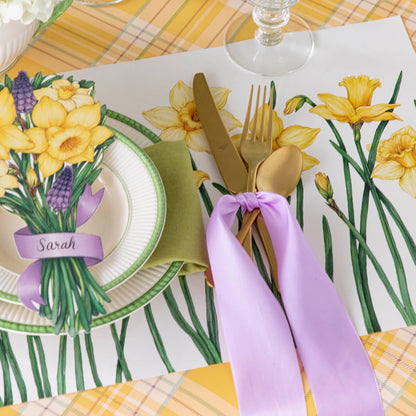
{"points": [[134, 29], [88, 36], [209, 391]]}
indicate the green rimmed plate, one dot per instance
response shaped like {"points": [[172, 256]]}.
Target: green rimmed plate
{"points": [[127, 293]]}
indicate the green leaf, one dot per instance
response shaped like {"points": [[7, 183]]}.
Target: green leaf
{"points": [[273, 86], [86, 84], [37, 80], [8, 82], [57, 11], [329, 260]]}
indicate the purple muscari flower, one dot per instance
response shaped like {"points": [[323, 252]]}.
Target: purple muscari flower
{"points": [[22, 92], [59, 196]]}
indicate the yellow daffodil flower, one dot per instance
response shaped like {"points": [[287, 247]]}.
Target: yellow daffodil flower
{"points": [[397, 159], [11, 137], [356, 108], [181, 121], [299, 136], [70, 95], [62, 136], [6, 181]]}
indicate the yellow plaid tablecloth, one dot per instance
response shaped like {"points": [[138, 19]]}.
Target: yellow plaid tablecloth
{"points": [[209, 391], [134, 29], [88, 36]]}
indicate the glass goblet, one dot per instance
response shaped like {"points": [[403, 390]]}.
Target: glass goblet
{"points": [[278, 42]]}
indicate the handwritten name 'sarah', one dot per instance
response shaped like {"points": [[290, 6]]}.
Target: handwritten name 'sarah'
{"points": [[48, 245]]}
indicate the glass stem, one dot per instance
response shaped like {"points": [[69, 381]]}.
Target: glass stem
{"points": [[270, 23]]}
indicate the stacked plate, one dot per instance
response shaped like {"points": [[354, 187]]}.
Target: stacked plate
{"points": [[130, 222]]}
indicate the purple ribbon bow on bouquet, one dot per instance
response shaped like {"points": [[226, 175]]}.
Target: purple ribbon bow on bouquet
{"points": [[54, 245], [259, 335]]}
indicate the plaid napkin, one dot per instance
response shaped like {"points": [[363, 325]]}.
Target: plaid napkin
{"points": [[183, 237]]}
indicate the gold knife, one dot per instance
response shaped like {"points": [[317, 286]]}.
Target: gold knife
{"points": [[229, 161], [230, 164]]}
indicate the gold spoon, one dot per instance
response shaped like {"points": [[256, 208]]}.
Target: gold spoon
{"points": [[280, 173]]}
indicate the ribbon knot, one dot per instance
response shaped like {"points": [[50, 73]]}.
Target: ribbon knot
{"points": [[248, 201]]}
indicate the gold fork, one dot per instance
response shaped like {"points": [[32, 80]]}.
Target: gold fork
{"points": [[254, 150]]}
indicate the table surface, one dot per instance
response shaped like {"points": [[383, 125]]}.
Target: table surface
{"points": [[87, 36]]}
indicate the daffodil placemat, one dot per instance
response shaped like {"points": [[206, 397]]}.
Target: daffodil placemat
{"points": [[210, 390], [351, 111]]}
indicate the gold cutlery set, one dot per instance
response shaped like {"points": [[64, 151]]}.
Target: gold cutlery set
{"points": [[278, 171]]}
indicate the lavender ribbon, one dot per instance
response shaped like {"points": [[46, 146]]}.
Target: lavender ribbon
{"points": [[54, 245], [259, 336]]}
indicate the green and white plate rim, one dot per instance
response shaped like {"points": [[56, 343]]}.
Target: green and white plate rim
{"points": [[133, 287]]}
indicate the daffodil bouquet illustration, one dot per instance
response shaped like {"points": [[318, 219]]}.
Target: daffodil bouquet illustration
{"points": [[392, 159], [52, 141]]}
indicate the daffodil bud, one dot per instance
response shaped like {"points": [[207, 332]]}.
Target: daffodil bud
{"points": [[32, 182], [323, 185], [200, 177], [294, 104], [31, 178]]}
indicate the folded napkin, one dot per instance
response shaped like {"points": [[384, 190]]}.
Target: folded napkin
{"points": [[183, 237]]}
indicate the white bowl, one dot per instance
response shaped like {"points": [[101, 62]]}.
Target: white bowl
{"points": [[14, 38]]}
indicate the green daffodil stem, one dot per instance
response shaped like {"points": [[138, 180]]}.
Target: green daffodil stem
{"points": [[91, 358], [122, 337], [366, 192], [401, 276], [157, 339], [15, 366], [211, 313], [361, 280], [69, 298], [61, 372], [184, 325], [383, 277], [386, 202], [195, 320], [361, 283], [120, 354]]}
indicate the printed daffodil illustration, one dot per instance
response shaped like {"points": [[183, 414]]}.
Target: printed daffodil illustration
{"points": [[357, 106], [11, 137], [62, 136], [6, 181], [40, 138], [69, 94], [181, 120], [299, 136], [397, 159], [199, 177]]}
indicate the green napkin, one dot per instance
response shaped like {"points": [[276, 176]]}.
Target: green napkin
{"points": [[183, 237]]}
